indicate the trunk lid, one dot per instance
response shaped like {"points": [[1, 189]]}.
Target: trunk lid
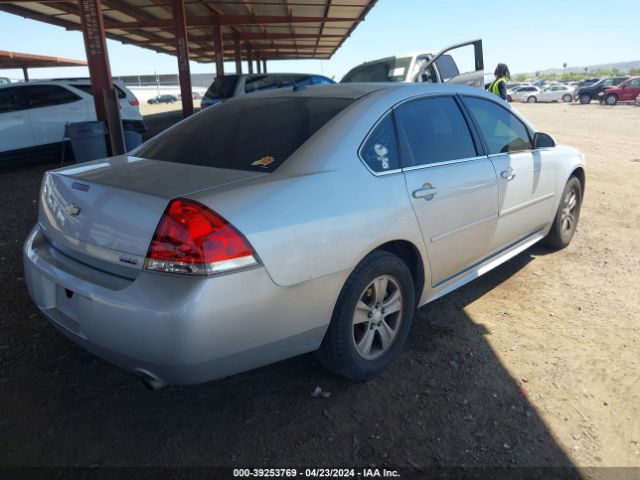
{"points": [[104, 213]]}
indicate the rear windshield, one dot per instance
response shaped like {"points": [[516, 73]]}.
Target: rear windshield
{"points": [[391, 70], [254, 134], [222, 87]]}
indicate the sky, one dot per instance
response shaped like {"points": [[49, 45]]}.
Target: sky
{"points": [[527, 36]]}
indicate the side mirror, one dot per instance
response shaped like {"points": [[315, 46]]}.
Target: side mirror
{"points": [[542, 140]]}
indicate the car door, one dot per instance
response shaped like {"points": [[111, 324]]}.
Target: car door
{"points": [[526, 182], [51, 107], [631, 90], [15, 128], [452, 186]]}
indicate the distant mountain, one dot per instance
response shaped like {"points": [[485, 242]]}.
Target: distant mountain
{"points": [[622, 66]]}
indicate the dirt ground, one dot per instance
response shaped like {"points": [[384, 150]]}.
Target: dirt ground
{"points": [[537, 363]]}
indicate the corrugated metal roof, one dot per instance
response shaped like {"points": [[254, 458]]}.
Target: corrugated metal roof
{"points": [[273, 29]]}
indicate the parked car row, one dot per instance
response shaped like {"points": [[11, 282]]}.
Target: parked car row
{"points": [[610, 91], [33, 115]]}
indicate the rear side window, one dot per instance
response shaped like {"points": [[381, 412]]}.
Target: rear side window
{"points": [[49, 95], [503, 131], [433, 130], [87, 89], [380, 150], [254, 134], [11, 100], [222, 87]]}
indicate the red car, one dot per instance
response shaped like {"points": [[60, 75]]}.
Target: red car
{"points": [[627, 91]]}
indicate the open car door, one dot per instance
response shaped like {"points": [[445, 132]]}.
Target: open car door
{"points": [[449, 61]]}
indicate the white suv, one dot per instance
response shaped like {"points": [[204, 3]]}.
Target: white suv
{"points": [[34, 114]]}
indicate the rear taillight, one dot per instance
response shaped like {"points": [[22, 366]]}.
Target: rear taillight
{"points": [[193, 240], [134, 102]]}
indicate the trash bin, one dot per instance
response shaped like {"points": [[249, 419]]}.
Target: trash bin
{"points": [[133, 132], [87, 140]]}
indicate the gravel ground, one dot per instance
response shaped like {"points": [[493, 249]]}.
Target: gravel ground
{"points": [[535, 363]]}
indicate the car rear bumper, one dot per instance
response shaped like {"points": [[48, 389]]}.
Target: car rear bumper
{"points": [[177, 329]]}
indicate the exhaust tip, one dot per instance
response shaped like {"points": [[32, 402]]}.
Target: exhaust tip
{"points": [[150, 380]]}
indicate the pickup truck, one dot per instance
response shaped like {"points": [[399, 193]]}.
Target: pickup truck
{"points": [[421, 67]]}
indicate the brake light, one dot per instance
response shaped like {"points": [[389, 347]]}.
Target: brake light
{"points": [[134, 102], [193, 240]]}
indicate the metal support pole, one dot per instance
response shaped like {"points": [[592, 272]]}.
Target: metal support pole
{"points": [[236, 48], [107, 107], [250, 58], [264, 66], [104, 94], [217, 46], [182, 51], [258, 64], [25, 72]]}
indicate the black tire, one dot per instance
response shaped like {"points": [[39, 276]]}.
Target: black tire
{"points": [[338, 351], [509, 99], [567, 98], [611, 99], [560, 236], [585, 98]]}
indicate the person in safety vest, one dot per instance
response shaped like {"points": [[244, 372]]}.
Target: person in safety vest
{"points": [[499, 85]]}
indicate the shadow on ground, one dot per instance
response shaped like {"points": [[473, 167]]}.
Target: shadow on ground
{"points": [[447, 401]]}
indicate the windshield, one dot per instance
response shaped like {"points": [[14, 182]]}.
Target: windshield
{"points": [[254, 134], [389, 70], [222, 87]]}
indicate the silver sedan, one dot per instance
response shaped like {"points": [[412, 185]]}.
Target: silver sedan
{"points": [[290, 222]]}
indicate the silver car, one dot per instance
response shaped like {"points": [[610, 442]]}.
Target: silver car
{"points": [[294, 221]]}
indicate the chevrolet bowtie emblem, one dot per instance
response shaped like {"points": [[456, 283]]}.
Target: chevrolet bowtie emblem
{"points": [[72, 209]]}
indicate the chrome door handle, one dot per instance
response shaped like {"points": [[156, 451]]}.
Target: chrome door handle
{"points": [[427, 192], [508, 174]]}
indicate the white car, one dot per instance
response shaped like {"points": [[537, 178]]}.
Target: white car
{"points": [[520, 90], [638, 100], [554, 93], [34, 114]]}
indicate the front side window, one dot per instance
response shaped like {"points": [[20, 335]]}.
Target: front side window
{"points": [[503, 131], [253, 133], [11, 100], [380, 151], [433, 130], [49, 95], [447, 67]]}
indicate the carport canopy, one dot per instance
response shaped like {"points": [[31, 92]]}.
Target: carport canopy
{"points": [[199, 30], [27, 60]]}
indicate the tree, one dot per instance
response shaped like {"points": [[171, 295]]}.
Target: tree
{"points": [[564, 65]]}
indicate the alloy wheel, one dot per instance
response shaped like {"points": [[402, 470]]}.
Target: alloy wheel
{"points": [[568, 215], [377, 317]]}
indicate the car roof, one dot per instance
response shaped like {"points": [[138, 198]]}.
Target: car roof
{"points": [[358, 90]]}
